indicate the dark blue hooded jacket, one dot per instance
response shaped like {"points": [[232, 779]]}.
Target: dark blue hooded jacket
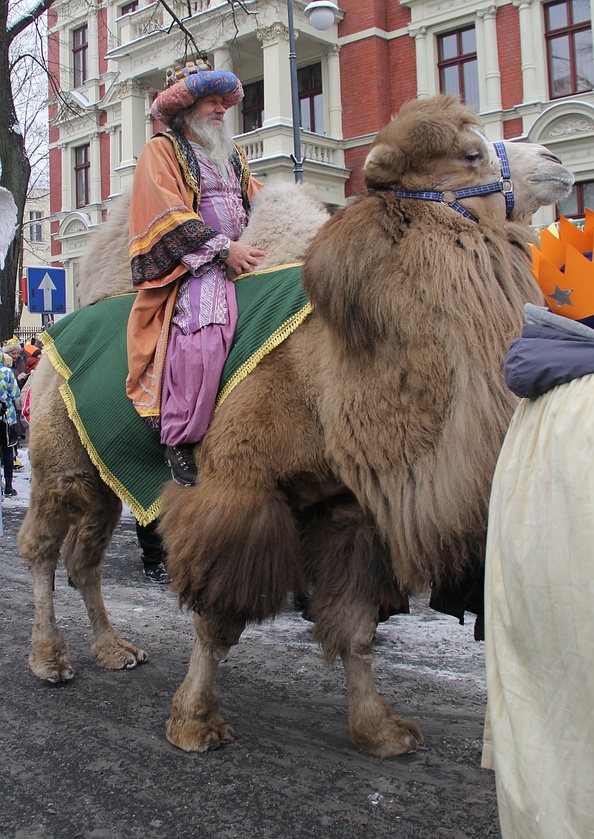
{"points": [[552, 350]]}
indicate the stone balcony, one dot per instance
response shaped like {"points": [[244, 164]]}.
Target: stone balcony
{"points": [[143, 21], [269, 152]]}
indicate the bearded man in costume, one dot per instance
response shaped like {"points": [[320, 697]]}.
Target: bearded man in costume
{"points": [[190, 203]]}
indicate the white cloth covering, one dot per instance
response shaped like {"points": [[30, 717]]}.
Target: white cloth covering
{"points": [[539, 613]]}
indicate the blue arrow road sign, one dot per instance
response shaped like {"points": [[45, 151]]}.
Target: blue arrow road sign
{"points": [[47, 289]]}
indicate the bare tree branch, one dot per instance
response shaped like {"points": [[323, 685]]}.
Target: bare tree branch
{"points": [[176, 19], [241, 4], [27, 20]]}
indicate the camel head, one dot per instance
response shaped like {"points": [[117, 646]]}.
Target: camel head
{"points": [[435, 145]]}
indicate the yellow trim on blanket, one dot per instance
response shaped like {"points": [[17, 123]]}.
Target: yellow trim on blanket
{"points": [[54, 356], [252, 362], [143, 516], [272, 270]]}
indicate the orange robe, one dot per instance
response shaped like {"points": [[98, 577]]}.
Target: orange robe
{"points": [[165, 224]]}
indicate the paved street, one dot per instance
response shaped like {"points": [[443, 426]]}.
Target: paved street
{"points": [[90, 759]]}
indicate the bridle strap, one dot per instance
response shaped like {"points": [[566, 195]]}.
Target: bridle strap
{"points": [[451, 197], [508, 187]]}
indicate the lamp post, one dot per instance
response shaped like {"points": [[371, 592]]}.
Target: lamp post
{"points": [[320, 14]]}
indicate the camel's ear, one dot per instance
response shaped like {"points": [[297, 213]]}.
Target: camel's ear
{"points": [[384, 164]]}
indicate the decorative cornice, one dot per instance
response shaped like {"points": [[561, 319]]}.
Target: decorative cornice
{"points": [[270, 34], [133, 86], [569, 126], [488, 11]]}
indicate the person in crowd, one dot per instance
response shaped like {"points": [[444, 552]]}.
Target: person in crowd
{"points": [[189, 205], [32, 355], [539, 575], [14, 349], [21, 370], [9, 393]]}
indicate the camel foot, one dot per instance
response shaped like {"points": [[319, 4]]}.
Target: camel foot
{"points": [[53, 667], [392, 737], [195, 724], [199, 735], [117, 654]]}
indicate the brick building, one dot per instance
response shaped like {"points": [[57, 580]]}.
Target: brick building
{"points": [[526, 66]]}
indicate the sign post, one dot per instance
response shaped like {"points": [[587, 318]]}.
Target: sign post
{"points": [[47, 289]]}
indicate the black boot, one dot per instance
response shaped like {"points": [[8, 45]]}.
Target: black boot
{"points": [[153, 556], [182, 462]]}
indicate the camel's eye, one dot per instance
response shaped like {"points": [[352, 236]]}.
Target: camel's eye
{"points": [[473, 156]]}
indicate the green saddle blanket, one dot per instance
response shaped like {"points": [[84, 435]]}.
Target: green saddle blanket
{"points": [[88, 349]]}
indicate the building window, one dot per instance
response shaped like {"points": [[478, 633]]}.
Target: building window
{"points": [[253, 106], [82, 165], [311, 101], [580, 198], [128, 8], [35, 231], [568, 32], [457, 65], [80, 55]]}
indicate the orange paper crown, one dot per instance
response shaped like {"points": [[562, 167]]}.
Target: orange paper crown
{"points": [[564, 269]]}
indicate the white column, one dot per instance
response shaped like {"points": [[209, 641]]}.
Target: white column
{"points": [[64, 45], [133, 99], [420, 36], [222, 58], [333, 93], [527, 48], [492, 74], [93, 40], [95, 174], [223, 61], [114, 160], [277, 74], [67, 163]]}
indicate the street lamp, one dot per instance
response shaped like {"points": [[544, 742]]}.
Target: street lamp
{"points": [[320, 14]]}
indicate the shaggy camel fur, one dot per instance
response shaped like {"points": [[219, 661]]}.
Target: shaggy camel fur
{"points": [[357, 458]]}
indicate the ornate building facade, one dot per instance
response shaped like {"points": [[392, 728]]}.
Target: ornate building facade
{"points": [[526, 66]]}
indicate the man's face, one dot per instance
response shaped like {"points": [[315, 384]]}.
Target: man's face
{"points": [[205, 125], [211, 109]]}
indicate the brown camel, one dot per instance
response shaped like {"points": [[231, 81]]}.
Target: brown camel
{"points": [[357, 458]]}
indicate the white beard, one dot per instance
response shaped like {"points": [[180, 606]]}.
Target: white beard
{"points": [[218, 142]]}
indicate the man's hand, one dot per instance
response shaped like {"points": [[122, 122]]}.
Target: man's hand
{"points": [[243, 259]]}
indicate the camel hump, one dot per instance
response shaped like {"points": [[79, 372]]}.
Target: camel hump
{"points": [[104, 270], [285, 218]]}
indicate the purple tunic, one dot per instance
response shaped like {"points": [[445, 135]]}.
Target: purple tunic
{"points": [[205, 314]]}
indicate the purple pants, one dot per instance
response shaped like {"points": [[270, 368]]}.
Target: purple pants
{"points": [[193, 367]]}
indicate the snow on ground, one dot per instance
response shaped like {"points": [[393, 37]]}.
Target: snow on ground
{"points": [[448, 648]]}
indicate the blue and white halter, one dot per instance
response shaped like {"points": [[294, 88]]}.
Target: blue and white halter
{"points": [[451, 197]]}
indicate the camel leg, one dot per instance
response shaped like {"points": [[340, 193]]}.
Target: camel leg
{"points": [[49, 658], [72, 515], [58, 523], [82, 554], [373, 726], [351, 572], [195, 724]]}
